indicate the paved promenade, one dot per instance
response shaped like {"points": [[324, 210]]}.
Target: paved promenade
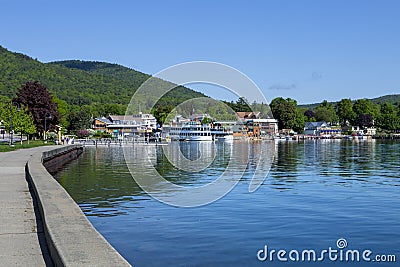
{"points": [[21, 240]]}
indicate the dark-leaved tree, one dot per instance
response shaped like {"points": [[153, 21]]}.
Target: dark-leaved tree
{"points": [[309, 114], [365, 120], [39, 102]]}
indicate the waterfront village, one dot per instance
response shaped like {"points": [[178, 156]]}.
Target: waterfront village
{"points": [[202, 127]]}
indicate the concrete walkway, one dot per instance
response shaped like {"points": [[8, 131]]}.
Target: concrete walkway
{"points": [[22, 240]]}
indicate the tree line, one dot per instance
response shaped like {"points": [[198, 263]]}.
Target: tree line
{"points": [[361, 112]]}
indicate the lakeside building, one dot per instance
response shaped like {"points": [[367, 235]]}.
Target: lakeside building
{"points": [[360, 130], [321, 128], [126, 126], [255, 126], [100, 124]]}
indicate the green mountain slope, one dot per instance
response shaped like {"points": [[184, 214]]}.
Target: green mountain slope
{"points": [[394, 99], [78, 82]]}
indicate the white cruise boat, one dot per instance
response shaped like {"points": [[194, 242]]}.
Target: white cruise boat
{"points": [[221, 133], [194, 131]]}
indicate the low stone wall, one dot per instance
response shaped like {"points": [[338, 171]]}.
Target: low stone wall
{"points": [[71, 238], [54, 160]]}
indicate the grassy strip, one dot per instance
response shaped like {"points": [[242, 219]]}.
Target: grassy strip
{"points": [[5, 147]]}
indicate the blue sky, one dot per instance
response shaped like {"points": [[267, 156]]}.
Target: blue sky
{"points": [[306, 50]]}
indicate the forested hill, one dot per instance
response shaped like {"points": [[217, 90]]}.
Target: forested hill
{"points": [[78, 82], [393, 99]]}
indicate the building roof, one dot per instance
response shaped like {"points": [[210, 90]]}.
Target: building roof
{"points": [[316, 124], [104, 120], [119, 117], [248, 115], [131, 118]]}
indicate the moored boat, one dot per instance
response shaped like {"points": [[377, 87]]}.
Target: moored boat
{"points": [[195, 131]]}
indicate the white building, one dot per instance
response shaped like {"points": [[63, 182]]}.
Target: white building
{"points": [[121, 125], [321, 128]]}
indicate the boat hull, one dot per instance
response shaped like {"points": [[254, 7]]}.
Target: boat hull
{"points": [[197, 138]]}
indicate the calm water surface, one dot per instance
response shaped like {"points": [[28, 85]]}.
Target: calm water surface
{"points": [[315, 193]]}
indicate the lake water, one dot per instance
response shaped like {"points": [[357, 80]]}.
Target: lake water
{"points": [[316, 192]]}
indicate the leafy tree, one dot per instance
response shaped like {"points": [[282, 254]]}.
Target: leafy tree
{"points": [[4, 99], [40, 105], [79, 119], [22, 121], [63, 110], [285, 111], [206, 120], [161, 113], [345, 111], [242, 105], [389, 118], [398, 109], [365, 107], [323, 114], [326, 112], [299, 121]]}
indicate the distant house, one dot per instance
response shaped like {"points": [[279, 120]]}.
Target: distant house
{"points": [[267, 126], [258, 126], [370, 131], [313, 128], [121, 125], [360, 130], [100, 124], [138, 124], [353, 129], [321, 128], [145, 120], [286, 132]]}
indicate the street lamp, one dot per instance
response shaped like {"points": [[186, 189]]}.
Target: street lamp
{"points": [[11, 124], [45, 127]]}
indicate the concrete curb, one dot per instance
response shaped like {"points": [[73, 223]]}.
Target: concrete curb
{"points": [[71, 238]]}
